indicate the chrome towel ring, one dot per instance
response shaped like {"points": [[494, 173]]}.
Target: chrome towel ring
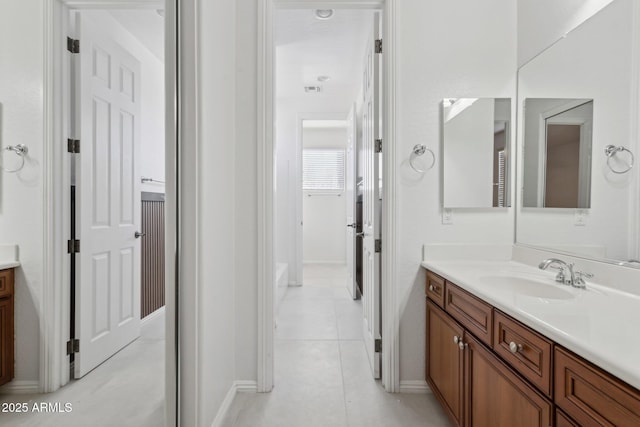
{"points": [[611, 151], [21, 151], [419, 150]]}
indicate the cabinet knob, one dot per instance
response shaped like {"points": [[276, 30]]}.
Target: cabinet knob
{"points": [[515, 347], [431, 288], [456, 339], [461, 345]]}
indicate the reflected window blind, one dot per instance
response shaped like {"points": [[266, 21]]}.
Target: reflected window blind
{"points": [[501, 173], [323, 169]]}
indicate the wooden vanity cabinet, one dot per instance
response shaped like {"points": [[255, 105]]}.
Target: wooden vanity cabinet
{"points": [[444, 364], [496, 396], [6, 326]]}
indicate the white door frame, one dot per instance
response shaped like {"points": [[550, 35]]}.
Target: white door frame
{"points": [[54, 303], [265, 149]]}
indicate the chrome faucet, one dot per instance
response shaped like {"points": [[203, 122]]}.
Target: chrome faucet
{"points": [[575, 279]]}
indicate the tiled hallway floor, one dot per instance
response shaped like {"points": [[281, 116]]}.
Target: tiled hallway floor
{"points": [[125, 391], [322, 375]]}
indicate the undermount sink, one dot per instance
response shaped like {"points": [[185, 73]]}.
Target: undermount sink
{"points": [[530, 287]]}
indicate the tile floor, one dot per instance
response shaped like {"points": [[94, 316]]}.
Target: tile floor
{"points": [[125, 391], [322, 375]]}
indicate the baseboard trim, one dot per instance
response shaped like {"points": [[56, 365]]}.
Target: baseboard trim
{"points": [[21, 387], [414, 387], [153, 315], [236, 387], [247, 386]]}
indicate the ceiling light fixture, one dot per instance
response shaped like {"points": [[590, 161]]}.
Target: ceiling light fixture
{"points": [[324, 13]]}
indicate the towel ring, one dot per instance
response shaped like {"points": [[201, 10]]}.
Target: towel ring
{"points": [[419, 150], [21, 151], [611, 150]]}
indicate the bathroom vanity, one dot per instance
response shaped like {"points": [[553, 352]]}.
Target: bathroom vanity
{"points": [[6, 325], [507, 346]]}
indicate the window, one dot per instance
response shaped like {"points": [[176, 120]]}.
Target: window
{"points": [[323, 169]]}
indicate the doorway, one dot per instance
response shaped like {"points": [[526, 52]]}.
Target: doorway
{"points": [[327, 83]]}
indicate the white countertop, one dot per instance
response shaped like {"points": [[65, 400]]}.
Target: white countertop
{"points": [[600, 324], [8, 264], [9, 256]]}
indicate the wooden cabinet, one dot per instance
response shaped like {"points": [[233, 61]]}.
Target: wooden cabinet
{"points": [[435, 288], [488, 369], [6, 326], [473, 385], [496, 396], [472, 313], [444, 367], [593, 397]]}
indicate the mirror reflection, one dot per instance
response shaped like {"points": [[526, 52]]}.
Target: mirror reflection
{"points": [[585, 84], [557, 153], [476, 152]]}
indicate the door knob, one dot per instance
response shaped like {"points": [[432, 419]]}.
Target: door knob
{"points": [[352, 225], [139, 234]]}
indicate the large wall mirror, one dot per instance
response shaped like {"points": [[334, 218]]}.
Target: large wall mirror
{"points": [[577, 134], [476, 136]]}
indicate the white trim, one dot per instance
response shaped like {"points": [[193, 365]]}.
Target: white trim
{"points": [[246, 386], [21, 387], [390, 312], [225, 406], [634, 214], [265, 196], [158, 312], [415, 387]]}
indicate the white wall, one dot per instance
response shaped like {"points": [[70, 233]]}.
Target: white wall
{"points": [[21, 194], [324, 215], [542, 22]]}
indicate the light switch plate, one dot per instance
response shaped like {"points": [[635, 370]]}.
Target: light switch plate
{"points": [[580, 217]]}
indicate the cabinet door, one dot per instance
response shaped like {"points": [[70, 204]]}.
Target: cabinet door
{"points": [[444, 365], [496, 396], [6, 340]]}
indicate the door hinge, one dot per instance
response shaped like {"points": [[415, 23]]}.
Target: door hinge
{"points": [[73, 146], [73, 45], [73, 246], [378, 146], [73, 346], [379, 46], [378, 345], [378, 245]]}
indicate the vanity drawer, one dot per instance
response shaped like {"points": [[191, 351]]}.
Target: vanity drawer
{"points": [[6, 283], [525, 350], [472, 313], [435, 288], [591, 396]]}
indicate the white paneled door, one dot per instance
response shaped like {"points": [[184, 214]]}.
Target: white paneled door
{"points": [[107, 115], [371, 201], [350, 192]]}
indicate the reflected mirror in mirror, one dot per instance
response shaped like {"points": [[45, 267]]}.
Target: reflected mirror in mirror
{"points": [[476, 137], [597, 61], [557, 153]]}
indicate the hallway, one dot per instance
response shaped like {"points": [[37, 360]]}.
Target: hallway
{"points": [[322, 375]]}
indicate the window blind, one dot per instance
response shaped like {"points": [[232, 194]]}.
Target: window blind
{"points": [[323, 169]]}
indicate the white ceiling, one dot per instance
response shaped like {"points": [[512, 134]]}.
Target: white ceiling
{"points": [[145, 25], [307, 48]]}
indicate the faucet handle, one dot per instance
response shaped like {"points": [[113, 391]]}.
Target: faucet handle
{"points": [[580, 275]]}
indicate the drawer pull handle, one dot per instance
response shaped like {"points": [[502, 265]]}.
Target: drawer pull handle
{"points": [[515, 348]]}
